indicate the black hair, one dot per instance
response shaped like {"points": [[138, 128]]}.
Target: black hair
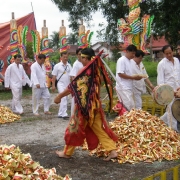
{"points": [[139, 53], [131, 48], [178, 43], [89, 52], [41, 56], [77, 50], [166, 47], [17, 56], [65, 52]]}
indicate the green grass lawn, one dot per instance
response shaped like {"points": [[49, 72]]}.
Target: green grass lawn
{"points": [[6, 94]]}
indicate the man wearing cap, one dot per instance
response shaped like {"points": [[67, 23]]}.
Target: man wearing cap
{"points": [[15, 78]]}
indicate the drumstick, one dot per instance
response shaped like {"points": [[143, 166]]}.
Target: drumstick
{"points": [[149, 89]]}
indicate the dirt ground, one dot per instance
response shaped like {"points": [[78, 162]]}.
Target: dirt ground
{"points": [[41, 136]]}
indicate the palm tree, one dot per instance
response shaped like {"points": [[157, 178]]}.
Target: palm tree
{"points": [[54, 40], [72, 38]]}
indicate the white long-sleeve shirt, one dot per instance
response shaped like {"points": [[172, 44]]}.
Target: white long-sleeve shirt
{"points": [[169, 73], [76, 67], [140, 84], [38, 75], [124, 66], [15, 76]]}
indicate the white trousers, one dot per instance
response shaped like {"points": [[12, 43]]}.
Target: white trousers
{"points": [[37, 94], [137, 98], [168, 118], [127, 98], [63, 104], [16, 100]]}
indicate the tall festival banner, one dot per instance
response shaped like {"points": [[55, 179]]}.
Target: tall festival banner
{"points": [[46, 50], [18, 41], [62, 38], [41, 45], [84, 37], [13, 47], [136, 30]]}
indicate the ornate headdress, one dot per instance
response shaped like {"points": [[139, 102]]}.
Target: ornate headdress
{"points": [[84, 37], [62, 38]]}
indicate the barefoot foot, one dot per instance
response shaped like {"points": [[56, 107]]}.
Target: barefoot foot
{"points": [[47, 112], [62, 155], [112, 155]]}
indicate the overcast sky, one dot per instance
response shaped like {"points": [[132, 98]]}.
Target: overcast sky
{"points": [[44, 10]]}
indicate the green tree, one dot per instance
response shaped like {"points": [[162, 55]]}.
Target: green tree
{"points": [[112, 10], [29, 50], [167, 22], [166, 14], [72, 38], [54, 40]]}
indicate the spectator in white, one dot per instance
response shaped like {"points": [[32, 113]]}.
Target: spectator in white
{"points": [[169, 73], [15, 78], [39, 86], [124, 78], [75, 69], [61, 73], [139, 87]]}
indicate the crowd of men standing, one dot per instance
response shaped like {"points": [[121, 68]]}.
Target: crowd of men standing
{"points": [[15, 78], [131, 79]]}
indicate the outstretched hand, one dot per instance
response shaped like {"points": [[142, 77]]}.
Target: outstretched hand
{"points": [[57, 99]]}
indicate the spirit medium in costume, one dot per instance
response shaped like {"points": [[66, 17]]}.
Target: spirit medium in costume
{"points": [[169, 73], [15, 78], [88, 120], [39, 86]]}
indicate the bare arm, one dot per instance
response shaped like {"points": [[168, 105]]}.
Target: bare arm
{"points": [[61, 95], [53, 83], [125, 76], [149, 83]]}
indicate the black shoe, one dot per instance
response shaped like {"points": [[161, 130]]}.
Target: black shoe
{"points": [[65, 117], [60, 117]]}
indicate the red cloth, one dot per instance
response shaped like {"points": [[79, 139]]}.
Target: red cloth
{"points": [[119, 108], [76, 133], [28, 20]]}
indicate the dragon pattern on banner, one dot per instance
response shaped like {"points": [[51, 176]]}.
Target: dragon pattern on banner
{"points": [[135, 30]]}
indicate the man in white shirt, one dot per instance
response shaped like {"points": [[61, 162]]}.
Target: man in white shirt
{"points": [[169, 73], [61, 73], [15, 78], [39, 86], [75, 69], [124, 78], [139, 87]]}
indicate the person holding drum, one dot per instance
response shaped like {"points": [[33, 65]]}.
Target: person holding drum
{"points": [[139, 87], [124, 78], [169, 74]]}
